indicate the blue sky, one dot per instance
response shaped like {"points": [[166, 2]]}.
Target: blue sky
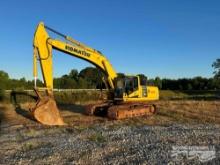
{"points": [[166, 38]]}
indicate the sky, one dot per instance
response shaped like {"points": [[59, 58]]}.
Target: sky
{"points": [[166, 38]]}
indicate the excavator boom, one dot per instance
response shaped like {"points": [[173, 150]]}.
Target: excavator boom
{"points": [[128, 89], [43, 46]]}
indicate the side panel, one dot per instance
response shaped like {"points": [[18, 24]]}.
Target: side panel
{"points": [[151, 95]]}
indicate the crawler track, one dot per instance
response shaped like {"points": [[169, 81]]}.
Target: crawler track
{"points": [[121, 111]]}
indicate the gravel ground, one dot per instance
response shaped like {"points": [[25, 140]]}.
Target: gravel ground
{"points": [[107, 142], [103, 144]]}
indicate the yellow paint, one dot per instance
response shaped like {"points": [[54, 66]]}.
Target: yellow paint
{"points": [[43, 46]]}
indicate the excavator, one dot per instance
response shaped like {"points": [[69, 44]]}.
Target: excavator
{"points": [[128, 95]]}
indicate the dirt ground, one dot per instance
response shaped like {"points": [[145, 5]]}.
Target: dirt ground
{"points": [[97, 140]]}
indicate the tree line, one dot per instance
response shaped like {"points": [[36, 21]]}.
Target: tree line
{"points": [[196, 83], [91, 77]]}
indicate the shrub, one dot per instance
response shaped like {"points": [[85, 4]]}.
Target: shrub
{"points": [[2, 94]]}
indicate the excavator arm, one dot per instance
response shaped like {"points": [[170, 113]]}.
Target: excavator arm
{"points": [[43, 46], [129, 89]]}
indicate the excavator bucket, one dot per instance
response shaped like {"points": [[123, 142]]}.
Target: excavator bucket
{"points": [[46, 112]]}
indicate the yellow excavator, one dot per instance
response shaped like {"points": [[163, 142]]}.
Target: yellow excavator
{"points": [[129, 96]]}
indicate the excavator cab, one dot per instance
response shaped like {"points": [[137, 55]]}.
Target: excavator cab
{"points": [[128, 87], [125, 86]]}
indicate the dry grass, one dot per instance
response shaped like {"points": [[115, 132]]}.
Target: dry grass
{"points": [[189, 94], [97, 137], [62, 97], [185, 112], [34, 144], [168, 112], [168, 94], [190, 111]]}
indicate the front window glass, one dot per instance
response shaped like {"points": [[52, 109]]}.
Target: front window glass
{"points": [[131, 84], [135, 80], [143, 80]]}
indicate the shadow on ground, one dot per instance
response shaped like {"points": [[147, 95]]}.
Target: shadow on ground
{"points": [[25, 113], [14, 97], [2, 115], [72, 108]]}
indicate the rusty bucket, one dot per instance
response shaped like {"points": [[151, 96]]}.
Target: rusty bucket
{"points": [[45, 111]]}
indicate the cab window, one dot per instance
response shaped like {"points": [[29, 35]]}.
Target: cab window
{"points": [[131, 84], [143, 81], [135, 80]]}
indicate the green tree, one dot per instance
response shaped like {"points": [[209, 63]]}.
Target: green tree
{"points": [[82, 83], [3, 75], [189, 86], [92, 75], [4, 78], [74, 74], [158, 82], [216, 83], [216, 66]]}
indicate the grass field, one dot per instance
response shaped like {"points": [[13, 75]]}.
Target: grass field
{"points": [[173, 107], [192, 94], [83, 96], [168, 113]]}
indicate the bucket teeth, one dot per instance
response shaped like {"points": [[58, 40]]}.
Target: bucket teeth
{"points": [[46, 112]]}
